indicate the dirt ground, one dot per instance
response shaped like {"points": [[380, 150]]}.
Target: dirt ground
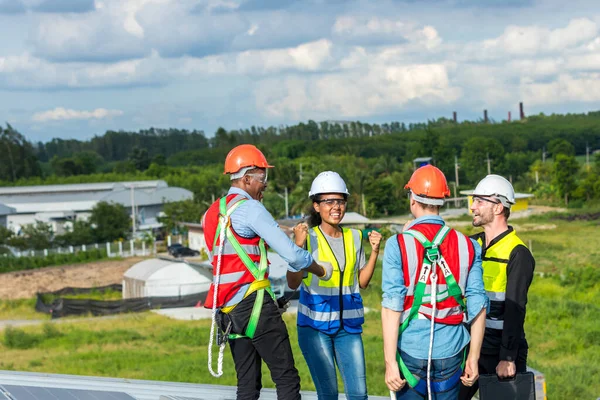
{"points": [[25, 284]]}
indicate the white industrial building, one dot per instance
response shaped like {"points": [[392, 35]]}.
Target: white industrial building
{"points": [[60, 204]]}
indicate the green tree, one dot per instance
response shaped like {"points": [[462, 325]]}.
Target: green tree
{"points": [[561, 146], [19, 159], [80, 233], [181, 211], [36, 236], [475, 154], [139, 158], [110, 221], [565, 170]]}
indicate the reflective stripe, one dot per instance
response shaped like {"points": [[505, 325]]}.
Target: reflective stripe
{"points": [[248, 248], [494, 324], [234, 200], [239, 296], [463, 256], [496, 296], [329, 316], [411, 257], [331, 291], [229, 278], [439, 313]]}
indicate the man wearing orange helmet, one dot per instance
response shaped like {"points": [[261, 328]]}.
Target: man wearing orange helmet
{"points": [[429, 257], [237, 230]]}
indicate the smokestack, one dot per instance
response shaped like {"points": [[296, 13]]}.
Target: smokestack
{"points": [[454, 115], [509, 118], [522, 113], [485, 117]]}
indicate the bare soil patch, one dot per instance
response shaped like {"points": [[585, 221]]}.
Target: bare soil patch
{"points": [[25, 284]]}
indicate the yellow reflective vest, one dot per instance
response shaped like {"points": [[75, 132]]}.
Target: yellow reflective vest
{"points": [[495, 262], [329, 306]]}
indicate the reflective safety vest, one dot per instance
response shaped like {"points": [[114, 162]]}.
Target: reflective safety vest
{"points": [[425, 249], [459, 254], [329, 306], [495, 261], [235, 281]]}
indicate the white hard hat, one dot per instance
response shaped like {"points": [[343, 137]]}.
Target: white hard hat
{"points": [[496, 186], [328, 182]]}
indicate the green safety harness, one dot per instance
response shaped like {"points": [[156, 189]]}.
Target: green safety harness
{"points": [[433, 258], [259, 285]]}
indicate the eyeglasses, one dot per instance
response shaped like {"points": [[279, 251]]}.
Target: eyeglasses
{"points": [[333, 202], [477, 199], [262, 178]]}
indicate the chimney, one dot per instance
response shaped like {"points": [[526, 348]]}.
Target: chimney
{"points": [[509, 118], [454, 115], [522, 113], [485, 117]]}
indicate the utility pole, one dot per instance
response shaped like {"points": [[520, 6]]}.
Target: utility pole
{"points": [[456, 167], [133, 211], [285, 198], [544, 154], [489, 164], [587, 156], [287, 212], [364, 205], [300, 174]]}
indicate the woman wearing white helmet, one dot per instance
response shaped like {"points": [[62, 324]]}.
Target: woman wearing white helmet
{"points": [[331, 314]]}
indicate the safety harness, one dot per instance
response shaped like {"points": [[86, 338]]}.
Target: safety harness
{"points": [[259, 285], [432, 259]]}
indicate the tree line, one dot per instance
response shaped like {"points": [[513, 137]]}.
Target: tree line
{"points": [[538, 155]]}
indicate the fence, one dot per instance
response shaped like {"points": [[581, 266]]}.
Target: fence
{"points": [[129, 248]]}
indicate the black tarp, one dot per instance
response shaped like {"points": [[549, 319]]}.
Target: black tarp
{"points": [[61, 307]]}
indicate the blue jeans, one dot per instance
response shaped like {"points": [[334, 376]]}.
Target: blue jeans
{"points": [[322, 352], [440, 370]]}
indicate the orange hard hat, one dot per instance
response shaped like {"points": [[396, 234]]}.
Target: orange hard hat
{"points": [[245, 155], [428, 182]]}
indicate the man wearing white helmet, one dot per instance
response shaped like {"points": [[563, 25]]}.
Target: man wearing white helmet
{"points": [[507, 273]]}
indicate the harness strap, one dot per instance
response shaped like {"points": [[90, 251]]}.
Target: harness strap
{"points": [[260, 284], [431, 259]]}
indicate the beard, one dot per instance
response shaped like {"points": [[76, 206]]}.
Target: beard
{"points": [[482, 219]]}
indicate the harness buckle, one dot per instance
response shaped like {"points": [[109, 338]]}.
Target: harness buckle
{"points": [[225, 220], [432, 254]]}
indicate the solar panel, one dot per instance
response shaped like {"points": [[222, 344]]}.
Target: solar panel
{"points": [[170, 397], [15, 392]]}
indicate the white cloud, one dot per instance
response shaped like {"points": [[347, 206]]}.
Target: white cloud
{"points": [[381, 89], [566, 88], [532, 40], [62, 114]]}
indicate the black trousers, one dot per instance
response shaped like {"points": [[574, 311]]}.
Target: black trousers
{"points": [[271, 343], [487, 365]]}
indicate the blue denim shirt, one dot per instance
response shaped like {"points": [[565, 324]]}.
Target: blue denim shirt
{"points": [[448, 340], [252, 219]]}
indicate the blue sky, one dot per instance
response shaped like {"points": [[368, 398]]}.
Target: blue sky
{"points": [[76, 68]]}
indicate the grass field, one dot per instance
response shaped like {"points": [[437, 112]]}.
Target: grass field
{"points": [[562, 328]]}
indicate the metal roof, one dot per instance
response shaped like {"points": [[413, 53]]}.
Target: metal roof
{"points": [[139, 389], [145, 269], [81, 187], [6, 210], [354, 218], [29, 203]]}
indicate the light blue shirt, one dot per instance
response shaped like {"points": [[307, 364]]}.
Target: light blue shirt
{"points": [[252, 219], [448, 340]]}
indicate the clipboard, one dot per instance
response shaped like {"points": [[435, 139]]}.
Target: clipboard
{"points": [[521, 387]]}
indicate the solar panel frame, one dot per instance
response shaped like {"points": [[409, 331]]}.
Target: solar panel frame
{"points": [[19, 392]]}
